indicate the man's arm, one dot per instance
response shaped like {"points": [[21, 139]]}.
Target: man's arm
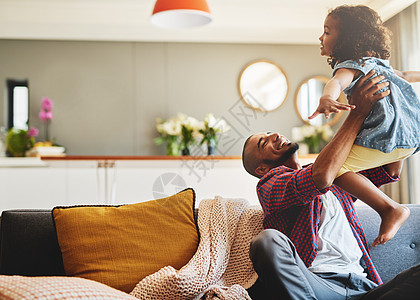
{"points": [[332, 157], [384, 174], [394, 169]]}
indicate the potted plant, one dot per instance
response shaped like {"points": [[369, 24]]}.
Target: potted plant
{"points": [[19, 141], [46, 115]]}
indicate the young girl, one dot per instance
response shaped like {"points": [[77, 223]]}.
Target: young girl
{"points": [[356, 42]]}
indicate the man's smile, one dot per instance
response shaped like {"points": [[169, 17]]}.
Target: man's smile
{"points": [[281, 141]]}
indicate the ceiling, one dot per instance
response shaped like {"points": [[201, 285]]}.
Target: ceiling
{"points": [[234, 21]]}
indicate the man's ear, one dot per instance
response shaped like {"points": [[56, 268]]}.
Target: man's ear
{"points": [[262, 169]]}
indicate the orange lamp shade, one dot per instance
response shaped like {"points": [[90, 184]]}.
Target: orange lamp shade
{"points": [[180, 13]]}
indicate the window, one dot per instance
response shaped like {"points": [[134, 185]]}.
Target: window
{"points": [[18, 103]]}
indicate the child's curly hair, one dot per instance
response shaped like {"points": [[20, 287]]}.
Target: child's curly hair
{"points": [[361, 33]]}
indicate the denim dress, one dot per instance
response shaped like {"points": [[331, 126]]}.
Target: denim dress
{"points": [[394, 121]]}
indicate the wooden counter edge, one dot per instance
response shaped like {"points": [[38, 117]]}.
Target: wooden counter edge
{"points": [[152, 157]]}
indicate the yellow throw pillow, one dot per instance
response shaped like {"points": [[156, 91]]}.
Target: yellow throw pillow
{"points": [[120, 245]]}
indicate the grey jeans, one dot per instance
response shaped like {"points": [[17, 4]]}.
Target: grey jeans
{"points": [[283, 275]]}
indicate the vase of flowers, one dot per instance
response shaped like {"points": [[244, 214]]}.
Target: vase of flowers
{"points": [[211, 130], [170, 133], [19, 141], [211, 147], [46, 115], [189, 132], [172, 145], [315, 137]]}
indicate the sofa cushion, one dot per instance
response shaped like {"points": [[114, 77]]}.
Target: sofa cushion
{"points": [[120, 245], [57, 288], [398, 254]]}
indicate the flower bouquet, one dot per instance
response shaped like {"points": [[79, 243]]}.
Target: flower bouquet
{"points": [[170, 133], [314, 137], [189, 132], [211, 130]]}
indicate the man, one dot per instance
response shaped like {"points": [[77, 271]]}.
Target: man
{"points": [[313, 245]]}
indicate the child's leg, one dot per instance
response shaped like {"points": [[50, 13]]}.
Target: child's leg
{"points": [[393, 214], [361, 158]]}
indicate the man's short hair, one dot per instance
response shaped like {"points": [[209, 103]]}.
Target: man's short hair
{"points": [[249, 163]]}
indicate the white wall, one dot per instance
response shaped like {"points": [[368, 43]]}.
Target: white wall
{"points": [[107, 95]]}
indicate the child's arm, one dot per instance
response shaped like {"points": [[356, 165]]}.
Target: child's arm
{"points": [[328, 103], [410, 76]]}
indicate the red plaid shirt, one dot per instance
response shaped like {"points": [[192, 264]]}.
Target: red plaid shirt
{"points": [[292, 204]]}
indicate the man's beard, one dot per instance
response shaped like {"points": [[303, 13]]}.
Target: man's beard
{"points": [[281, 160]]}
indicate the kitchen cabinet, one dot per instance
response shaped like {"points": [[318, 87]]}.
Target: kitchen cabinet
{"points": [[114, 180], [32, 187]]}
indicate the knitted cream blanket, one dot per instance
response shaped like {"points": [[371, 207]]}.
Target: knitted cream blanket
{"points": [[221, 268]]}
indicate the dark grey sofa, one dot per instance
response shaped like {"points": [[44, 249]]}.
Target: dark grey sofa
{"points": [[28, 243]]}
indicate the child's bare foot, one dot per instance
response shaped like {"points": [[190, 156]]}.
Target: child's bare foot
{"points": [[391, 222]]}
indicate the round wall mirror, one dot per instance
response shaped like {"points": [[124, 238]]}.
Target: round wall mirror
{"points": [[263, 85], [307, 100]]}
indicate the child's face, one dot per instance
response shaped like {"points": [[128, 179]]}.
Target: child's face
{"points": [[329, 36]]}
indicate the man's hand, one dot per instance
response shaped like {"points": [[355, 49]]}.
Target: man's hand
{"points": [[394, 169], [364, 94], [328, 106], [332, 157]]}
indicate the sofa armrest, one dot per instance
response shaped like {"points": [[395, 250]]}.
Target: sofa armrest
{"points": [[28, 244]]}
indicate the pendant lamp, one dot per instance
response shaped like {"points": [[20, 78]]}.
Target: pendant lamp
{"points": [[178, 14]]}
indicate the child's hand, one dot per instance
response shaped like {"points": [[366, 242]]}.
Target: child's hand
{"points": [[328, 106]]}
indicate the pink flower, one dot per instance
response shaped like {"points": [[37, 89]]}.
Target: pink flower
{"points": [[32, 132], [47, 104], [45, 115], [49, 115]]}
